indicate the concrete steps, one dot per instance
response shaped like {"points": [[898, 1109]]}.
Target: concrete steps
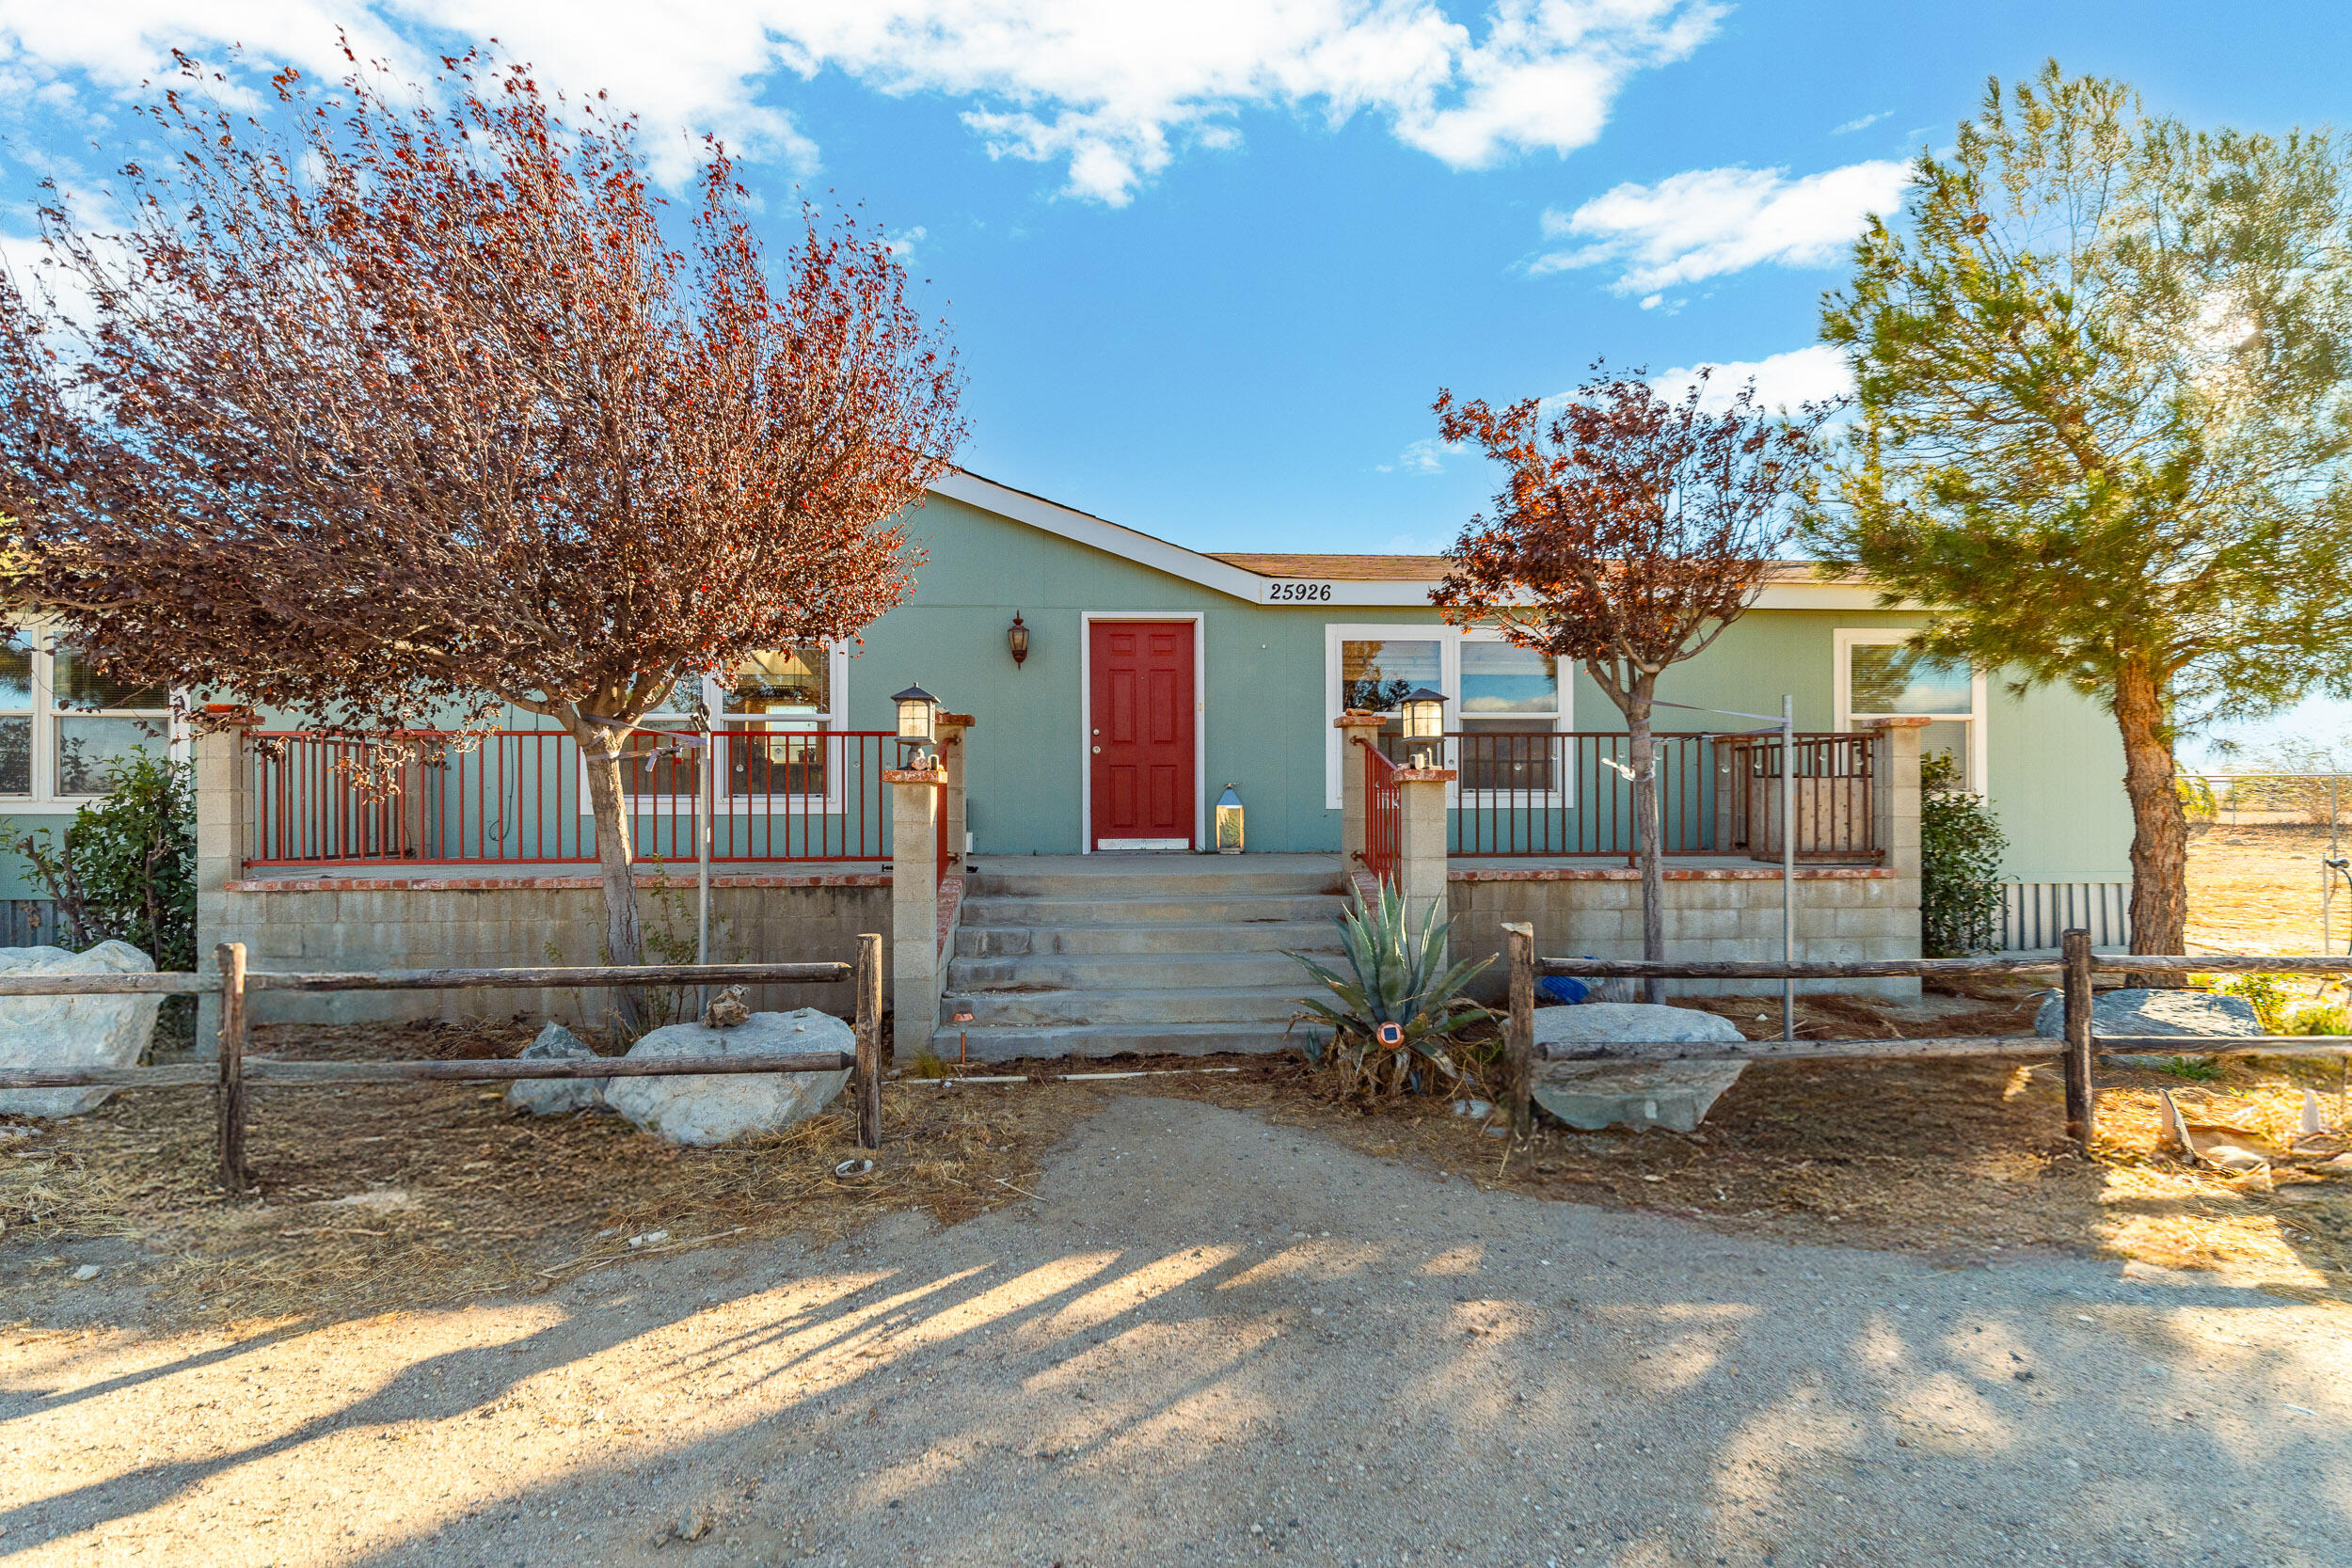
{"points": [[1104, 955]]}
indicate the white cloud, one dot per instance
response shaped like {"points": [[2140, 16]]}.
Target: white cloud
{"points": [[1111, 91], [1811, 374], [1864, 123], [1424, 456], [1708, 221]]}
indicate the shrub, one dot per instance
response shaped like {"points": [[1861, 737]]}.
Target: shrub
{"points": [[125, 868], [1395, 978], [1960, 844], [2267, 992]]}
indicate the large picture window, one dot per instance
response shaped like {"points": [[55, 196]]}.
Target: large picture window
{"points": [[62, 723], [772, 719], [1880, 676], [1494, 691]]}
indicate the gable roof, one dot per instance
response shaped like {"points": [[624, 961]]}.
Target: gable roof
{"points": [[1390, 580]]}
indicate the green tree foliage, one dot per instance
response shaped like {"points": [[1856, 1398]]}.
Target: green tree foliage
{"points": [[2101, 366], [1960, 844], [126, 868]]}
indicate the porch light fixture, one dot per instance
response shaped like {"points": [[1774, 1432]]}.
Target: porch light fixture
{"points": [[918, 715], [1228, 821], [1424, 719], [1017, 640]]}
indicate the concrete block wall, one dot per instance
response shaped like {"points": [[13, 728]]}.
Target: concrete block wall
{"points": [[369, 924], [1712, 914]]}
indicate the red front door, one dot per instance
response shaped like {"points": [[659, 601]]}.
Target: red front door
{"points": [[1139, 713]]}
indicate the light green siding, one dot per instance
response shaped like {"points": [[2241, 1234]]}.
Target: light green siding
{"points": [[2054, 764]]}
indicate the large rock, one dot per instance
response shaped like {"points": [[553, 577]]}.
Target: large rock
{"points": [[555, 1097], [713, 1109], [2152, 1012], [1593, 1094], [58, 1034]]}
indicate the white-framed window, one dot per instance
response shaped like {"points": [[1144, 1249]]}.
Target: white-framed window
{"points": [[772, 719], [62, 723], [1492, 687], [1880, 676]]}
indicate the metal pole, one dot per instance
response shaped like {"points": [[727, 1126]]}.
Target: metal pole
{"points": [[706, 806], [2328, 876], [1788, 862]]}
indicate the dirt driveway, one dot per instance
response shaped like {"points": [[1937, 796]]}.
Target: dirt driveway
{"points": [[1208, 1339]]}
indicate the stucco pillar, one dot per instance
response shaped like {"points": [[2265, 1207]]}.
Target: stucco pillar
{"points": [[915, 963], [1421, 847], [218, 759], [1895, 809], [951, 729], [1353, 727]]}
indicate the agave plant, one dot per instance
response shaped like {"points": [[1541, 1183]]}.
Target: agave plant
{"points": [[1395, 1015]]}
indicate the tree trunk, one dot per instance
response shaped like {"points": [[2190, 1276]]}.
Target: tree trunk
{"points": [[2159, 827], [1646, 831], [599, 750]]}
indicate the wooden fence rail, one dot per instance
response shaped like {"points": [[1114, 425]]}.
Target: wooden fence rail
{"points": [[2075, 965], [234, 983]]}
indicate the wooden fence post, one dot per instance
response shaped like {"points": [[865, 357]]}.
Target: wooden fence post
{"points": [[2081, 1113], [869, 1010], [230, 957], [1519, 1042]]}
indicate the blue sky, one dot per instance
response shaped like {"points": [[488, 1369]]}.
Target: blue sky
{"points": [[1208, 264]]}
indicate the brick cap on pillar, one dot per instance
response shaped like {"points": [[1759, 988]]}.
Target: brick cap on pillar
{"points": [[231, 715], [1426, 775], [961, 720], [1896, 722], [914, 775], [1354, 720]]}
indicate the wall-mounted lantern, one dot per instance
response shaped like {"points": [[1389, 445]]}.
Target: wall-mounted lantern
{"points": [[1424, 719], [1228, 821], [1017, 640], [918, 715]]}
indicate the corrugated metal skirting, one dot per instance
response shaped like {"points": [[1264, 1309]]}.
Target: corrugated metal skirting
{"points": [[2033, 914], [27, 923]]}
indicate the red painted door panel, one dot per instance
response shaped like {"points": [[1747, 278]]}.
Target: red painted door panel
{"points": [[1140, 712]]}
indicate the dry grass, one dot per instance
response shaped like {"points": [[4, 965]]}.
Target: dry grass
{"points": [[1962, 1161], [397, 1195], [2255, 888]]}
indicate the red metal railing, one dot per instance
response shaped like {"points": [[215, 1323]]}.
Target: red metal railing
{"points": [[1569, 794], [519, 798], [1384, 816]]}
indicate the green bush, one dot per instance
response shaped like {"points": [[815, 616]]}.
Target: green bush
{"points": [[1397, 975], [125, 868], [1961, 845], [2267, 992]]}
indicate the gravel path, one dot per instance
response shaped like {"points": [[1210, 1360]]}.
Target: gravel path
{"points": [[1211, 1340]]}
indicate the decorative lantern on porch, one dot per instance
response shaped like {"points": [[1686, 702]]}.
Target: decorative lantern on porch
{"points": [[1424, 714], [1228, 821], [918, 716]]}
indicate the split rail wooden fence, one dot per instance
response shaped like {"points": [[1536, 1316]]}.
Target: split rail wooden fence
{"points": [[235, 1072], [2077, 965]]}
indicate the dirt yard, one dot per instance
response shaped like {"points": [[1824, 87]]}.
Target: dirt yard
{"points": [[1214, 1335], [1198, 1316]]}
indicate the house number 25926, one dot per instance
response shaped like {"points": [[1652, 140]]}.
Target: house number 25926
{"points": [[1299, 592]]}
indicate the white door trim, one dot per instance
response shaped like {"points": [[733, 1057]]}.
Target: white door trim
{"points": [[1200, 716]]}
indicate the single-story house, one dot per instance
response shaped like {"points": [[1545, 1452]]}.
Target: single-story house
{"points": [[1117, 687]]}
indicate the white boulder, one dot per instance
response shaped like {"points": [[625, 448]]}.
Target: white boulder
{"points": [[712, 1109], [555, 1097], [60, 1034], [2186, 1013], [1592, 1095]]}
